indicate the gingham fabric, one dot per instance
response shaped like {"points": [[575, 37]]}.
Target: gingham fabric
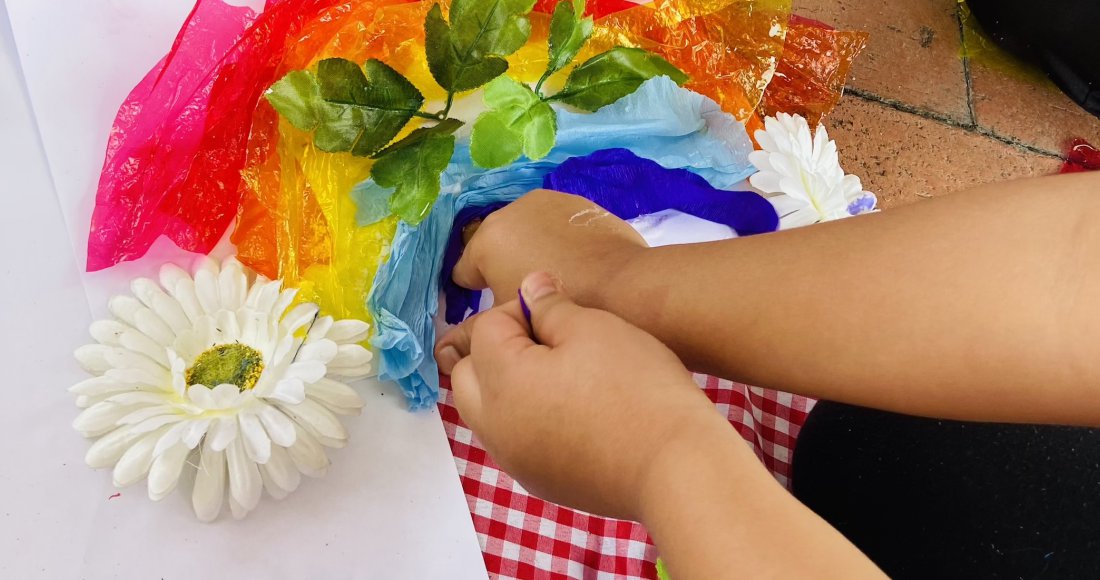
{"points": [[524, 537]]}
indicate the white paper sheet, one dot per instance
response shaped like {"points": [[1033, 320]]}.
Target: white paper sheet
{"points": [[391, 505]]}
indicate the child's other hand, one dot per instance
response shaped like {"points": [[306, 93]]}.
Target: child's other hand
{"points": [[576, 241], [581, 415]]}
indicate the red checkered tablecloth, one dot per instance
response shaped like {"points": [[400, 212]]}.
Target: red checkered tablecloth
{"points": [[524, 537]]}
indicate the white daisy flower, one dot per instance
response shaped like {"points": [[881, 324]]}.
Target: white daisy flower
{"points": [[803, 175], [215, 374]]}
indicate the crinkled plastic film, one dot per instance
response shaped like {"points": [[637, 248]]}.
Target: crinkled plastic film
{"points": [[810, 77], [155, 138], [195, 145], [174, 162], [297, 221], [729, 48]]}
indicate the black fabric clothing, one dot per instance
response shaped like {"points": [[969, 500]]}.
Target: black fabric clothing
{"points": [[930, 499], [1061, 36]]}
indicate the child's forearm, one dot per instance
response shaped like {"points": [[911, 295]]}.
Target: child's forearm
{"points": [[715, 512], [982, 306]]}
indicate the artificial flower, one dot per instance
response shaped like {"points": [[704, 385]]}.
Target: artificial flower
{"points": [[802, 173], [221, 375]]}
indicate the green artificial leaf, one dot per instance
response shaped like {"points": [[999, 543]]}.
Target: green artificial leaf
{"points": [[568, 33], [295, 97], [612, 75], [517, 121], [469, 51], [412, 167], [443, 128], [361, 112]]}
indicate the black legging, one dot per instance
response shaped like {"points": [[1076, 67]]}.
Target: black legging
{"points": [[928, 499], [1062, 36]]}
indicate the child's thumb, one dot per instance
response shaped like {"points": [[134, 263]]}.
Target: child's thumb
{"points": [[549, 309]]}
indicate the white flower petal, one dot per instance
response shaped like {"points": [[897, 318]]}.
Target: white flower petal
{"points": [[136, 461], [206, 289], [164, 475], [320, 329], [209, 491], [137, 398], [350, 356], [195, 432], [300, 317], [152, 325], [165, 307], [270, 486], [143, 413], [125, 308], [307, 370], [315, 418], [103, 385], [254, 328], [267, 296], [107, 449], [332, 442], [245, 485], [348, 331], [322, 351], [280, 358], [93, 358], [256, 442], [222, 433], [282, 302], [334, 394], [278, 426], [226, 396], [228, 326], [121, 358], [181, 287], [290, 390], [100, 418], [282, 470], [232, 285], [155, 422], [308, 455], [170, 439], [108, 332], [142, 344], [235, 508], [202, 397], [767, 182]]}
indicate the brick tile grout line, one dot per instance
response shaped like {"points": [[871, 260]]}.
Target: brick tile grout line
{"points": [[971, 127], [966, 65]]}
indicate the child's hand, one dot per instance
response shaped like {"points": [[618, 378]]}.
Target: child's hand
{"points": [[576, 241], [579, 416]]}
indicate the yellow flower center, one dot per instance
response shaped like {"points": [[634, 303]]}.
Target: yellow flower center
{"points": [[235, 364]]}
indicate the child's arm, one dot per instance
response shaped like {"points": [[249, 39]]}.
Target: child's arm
{"points": [[982, 305], [589, 411]]}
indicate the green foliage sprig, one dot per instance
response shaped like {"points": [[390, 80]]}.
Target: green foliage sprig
{"points": [[362, 109]]}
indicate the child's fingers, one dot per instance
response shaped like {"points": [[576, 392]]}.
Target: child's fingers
{"points": [[553, 312], [466, 272], [467, 392], [499, 337], [455, 345]]}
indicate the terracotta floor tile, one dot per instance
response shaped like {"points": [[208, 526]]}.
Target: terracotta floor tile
{"points": [[904, 157], [1028, 110], [913, 55]]}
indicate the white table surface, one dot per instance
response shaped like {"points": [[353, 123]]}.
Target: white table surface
{"points": [[391, 506]]}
